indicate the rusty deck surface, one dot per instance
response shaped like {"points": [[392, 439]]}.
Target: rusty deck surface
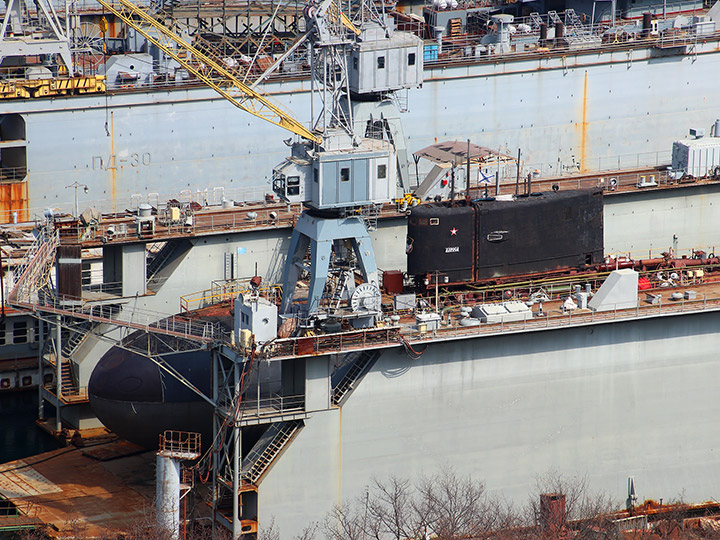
{"points": [[83, 491]]}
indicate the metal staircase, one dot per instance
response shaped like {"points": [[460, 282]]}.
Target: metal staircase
{"points": [[369, 214], [67, 382], [350, 374], [69, 387], [167, 253], [32, 275], [74, 337], [268, 448]]}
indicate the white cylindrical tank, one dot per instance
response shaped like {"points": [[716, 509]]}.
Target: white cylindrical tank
{"points": [[144, 210], [167, 495]]}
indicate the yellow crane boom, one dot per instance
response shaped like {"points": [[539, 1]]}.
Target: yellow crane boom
{"points": [[212, 73]]}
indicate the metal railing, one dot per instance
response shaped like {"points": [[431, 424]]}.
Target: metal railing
{"points": [[68, 395], [272, 406], [341, 342], [222, 291], [202, 222], [394, 336], [24, 296], [33, 271], [179, 442]]}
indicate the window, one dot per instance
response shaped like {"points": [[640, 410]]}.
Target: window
{"points": [[411, 59], [315, 175], [345, 174], [382, 171], [13, 166], [293, 185], [381, 62], [20, 332], [355, 63], [278, 182]]}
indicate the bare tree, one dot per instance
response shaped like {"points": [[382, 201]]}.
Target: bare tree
{"points": [[459, 506], [308, 533], [390, 509], [586, 510], [269, 532], [344, 522]]}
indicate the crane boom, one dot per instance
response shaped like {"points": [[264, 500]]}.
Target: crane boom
{"points": [[223, 82]]}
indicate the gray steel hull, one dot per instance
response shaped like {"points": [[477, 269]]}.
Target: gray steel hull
{"points": [[584, 110], [605, 400]]}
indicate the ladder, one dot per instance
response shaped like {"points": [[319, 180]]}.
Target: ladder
{"points": [[267, 449]]}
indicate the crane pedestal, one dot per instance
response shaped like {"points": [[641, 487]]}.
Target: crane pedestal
{"points": [[321, 235]]}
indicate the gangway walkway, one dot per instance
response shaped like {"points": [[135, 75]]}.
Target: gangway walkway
{"points": [[32, 292]]}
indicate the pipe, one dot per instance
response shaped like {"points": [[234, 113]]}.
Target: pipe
{"points": [[467, 176], [646, 24], [517, 180]]}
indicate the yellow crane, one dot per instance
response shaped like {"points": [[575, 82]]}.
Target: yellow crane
{"points": [[209, 71]]}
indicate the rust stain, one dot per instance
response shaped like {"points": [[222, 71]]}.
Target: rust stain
{"points": [[13, 202], [340, 436], [113, 171], [583, 128]]}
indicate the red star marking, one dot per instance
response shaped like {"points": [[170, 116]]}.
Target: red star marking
{"points": [[453, 232]]}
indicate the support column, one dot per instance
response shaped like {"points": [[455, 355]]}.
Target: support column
{"points": [[237, 501], [167, 505], [317, 383], [320, 234], [237, 461], [41, 347], [58, 373]]}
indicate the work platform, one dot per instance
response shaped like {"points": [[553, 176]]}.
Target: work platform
{"points": [[73, 492]]}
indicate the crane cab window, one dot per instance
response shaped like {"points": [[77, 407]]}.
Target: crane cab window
{"points": [[293, 185], [382, 171], [345, 174], [381, 62], [278, 181], [411, 59]]}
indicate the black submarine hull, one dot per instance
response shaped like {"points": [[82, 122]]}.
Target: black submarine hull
{"points": [[485, 239], [138, 400]]}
